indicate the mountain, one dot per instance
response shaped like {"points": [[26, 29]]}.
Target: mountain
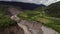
{"points": [[22, 5], [54, 9]]}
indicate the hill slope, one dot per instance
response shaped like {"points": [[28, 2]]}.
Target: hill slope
{"points": [[54, 10]]}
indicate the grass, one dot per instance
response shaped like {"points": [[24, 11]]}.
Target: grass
{"points": [[5, 20], [42, 18]]}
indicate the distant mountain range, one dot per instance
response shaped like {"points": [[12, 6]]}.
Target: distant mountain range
{"points": [[22, 5]]}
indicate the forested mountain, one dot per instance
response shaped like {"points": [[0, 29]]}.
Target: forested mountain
{"points": [[54, 9], [28, 6]]}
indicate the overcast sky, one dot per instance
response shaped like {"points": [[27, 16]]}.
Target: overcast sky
{"points": [[45, 2]]}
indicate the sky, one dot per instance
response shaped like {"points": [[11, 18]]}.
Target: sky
{"points": [[45, 2]]}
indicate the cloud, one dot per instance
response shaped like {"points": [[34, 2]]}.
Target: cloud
{"points": [[45, 2], [50, 2]]}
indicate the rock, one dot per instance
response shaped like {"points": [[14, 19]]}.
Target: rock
{"points": [[47, 30], [31, 26]]}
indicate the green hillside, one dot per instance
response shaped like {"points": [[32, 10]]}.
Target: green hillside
{"points": [[45, 15], [53, 10]]}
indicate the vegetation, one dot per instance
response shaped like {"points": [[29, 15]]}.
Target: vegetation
{"points": [[41, 15], [53, 10], [5, 20]]}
